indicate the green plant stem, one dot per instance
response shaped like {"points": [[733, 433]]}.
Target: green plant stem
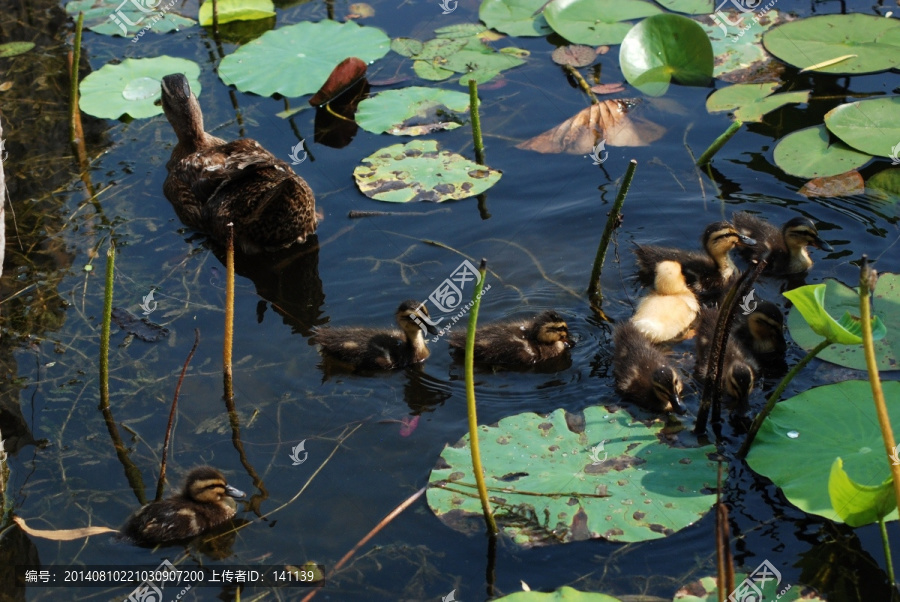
{"points": [[582, 83], [229, 315], [887, 550], [73, 80], [773, 399], [470, 399], [476, 122], [595, 291], [719, 143], [105, 326]]}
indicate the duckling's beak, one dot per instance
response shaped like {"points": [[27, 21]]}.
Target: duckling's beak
{"points": [[821, 244], [677, 406], [234, 492], [431, 328], [746, 240]]}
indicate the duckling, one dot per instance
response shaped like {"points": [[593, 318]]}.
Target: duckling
{"points": [[707, 273], [740, 369], [212, 183], [204, 502], [518, 343], [670, 309], [787, 247], [642, 372], [370, 348], [762, 334]]}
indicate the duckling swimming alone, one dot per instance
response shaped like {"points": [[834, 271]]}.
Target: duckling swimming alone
{"points": [[643, 373], [739, 369], [204, 502], [670, 309], [212, 183], [788, 254], [518, 342], [370, 348]]}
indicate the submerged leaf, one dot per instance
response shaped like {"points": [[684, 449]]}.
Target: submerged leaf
{"points": [[575, 55], [15, 48], [142, 328], [857, 504], [236, 10]]}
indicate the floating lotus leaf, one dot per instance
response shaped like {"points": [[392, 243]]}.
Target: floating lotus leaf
{"points": [[887, 180], [751, 101], [563, 594], [438, 59], [118, 18], [514, 17], [412, 111], [14, 49], [689, 7], [132, 87], [596, 22], [236, 10], [815, 427], [736, 39], [841, 299], [417, 171], [707, 590], [554, 479], [662, 48], [872, 43], [299, 58], [809, 153], [858, 504], [870, 126]]}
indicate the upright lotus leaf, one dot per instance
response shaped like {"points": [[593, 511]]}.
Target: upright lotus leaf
{"points": [[236, 10], [811, 430], [299, 58], [132, 87], [857, 504], [551, 481], [662, 48], [809, 153], [596, 22], [870, 126], [843, 300], [707, 590], [750, 102], [515, 17], [417, 171], [118, 18], [736, 39], [412, 111], [809, 300], [689, 7], [872, 43], [563, 594]]}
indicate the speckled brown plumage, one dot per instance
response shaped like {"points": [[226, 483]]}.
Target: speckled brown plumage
{"points": [[739, 368], [518, 342], [212, 183], [642, 371], [786, 246]]}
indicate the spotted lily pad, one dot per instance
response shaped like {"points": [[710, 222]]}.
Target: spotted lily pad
{"points": [[810, 153], [763, 585], [736, 39], [750, 102], [118, 18], [418, 171], [596, 22], [871, 126], [554, 479], [515, 17], [563, 594], [412, 111], [840, 299], [815, 427], [299, 58], [132, 87], [236, 10]]}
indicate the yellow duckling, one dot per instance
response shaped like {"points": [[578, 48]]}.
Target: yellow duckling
{"points": [[670, 309], [788, 246], [518, 343], [643, 373]]}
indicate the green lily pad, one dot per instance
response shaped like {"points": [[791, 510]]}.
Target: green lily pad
{"points": [[412, 111], [548, 483], [596, 22], [417, 171], [870, 126], [14, 49], [809, 153], [751, 102], [688, 7], [117, 18], [563, 594], [738, 52], [236, 10], [887, 180], [664, 47], [707, 590], [840, 299], [875, 42], [815, 427], [430, 71], [132, 87], [857, 504], [438, 59], [299, 58], [514, 17]]}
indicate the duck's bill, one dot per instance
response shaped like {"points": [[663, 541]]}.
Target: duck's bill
{"points": [[821, 244], [677, 406], [234, 492], [431, 328], [746, 240]]}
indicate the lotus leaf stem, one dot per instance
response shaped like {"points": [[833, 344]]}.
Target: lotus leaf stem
{"points": [[718, 143], [73, 80], [887, 549], [476, 122], [229, 315], [582, 83]]}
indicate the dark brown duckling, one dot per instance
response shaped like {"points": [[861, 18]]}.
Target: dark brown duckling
{"points": [[212, 183], [518, 342], [707, 272], [204, 502], [739, 369], [374, 349], [787, 247], [643, 373], [762, 334]]}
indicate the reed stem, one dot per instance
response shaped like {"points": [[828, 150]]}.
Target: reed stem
{"points": [[105, 325], [595, 291], [476, 122], [73, 80], [718, 143], [582, 83], [229, 315]]}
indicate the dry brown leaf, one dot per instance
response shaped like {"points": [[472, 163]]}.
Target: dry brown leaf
{"points": [[360, 10], [6, 86], [607, 121], [844, 184], [575, 55], [608, 88], [62, 534]]}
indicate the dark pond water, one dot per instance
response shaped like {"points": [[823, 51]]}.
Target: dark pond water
{"points": [[545, 218]]}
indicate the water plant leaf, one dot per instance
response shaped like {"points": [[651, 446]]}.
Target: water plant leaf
{"points": [[61, 534], [430, 71], [750, 102], [236, 10], [666, 47], [299, 58], [574, 55], [816, 40], [142, 328], [117, 18], [438, 59], [871, 126], [689, 7], [412, 111], [886, 181], [132, 87], [707, 590], [809, 153], [563, 594], [857, 504], [596, 22], [14, 49], [809, 300], [407, 47], [417, 171], [815, 427], [514, 17], [844, 184], [610, 477], [738, 49], [841, 299], [343, 77]]}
